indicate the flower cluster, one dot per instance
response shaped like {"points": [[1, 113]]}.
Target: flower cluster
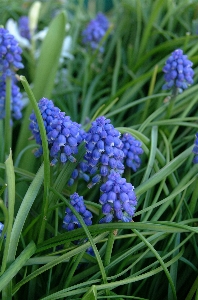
{"points": [[24, 29], [118, 199], [10, 62], [195, 149], [63, 135], [70, 221], [103, 150], [10, 54], [178, 71], [104, 157], [95, 31], [132, 149], [16, 100]]}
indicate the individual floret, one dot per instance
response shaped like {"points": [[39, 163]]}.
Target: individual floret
{"points": [[132, 149], [178, 71], [95, 31], [118, 199], [63, 135], [70, 222], [195, 149], [10, 54]]}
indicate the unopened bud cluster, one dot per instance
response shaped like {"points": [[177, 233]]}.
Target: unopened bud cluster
{"points": [[178, 71], [95, 31]]}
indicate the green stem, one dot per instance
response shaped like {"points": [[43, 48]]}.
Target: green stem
{"points": [[151, 89], [193, 201], [193, 290], [102, 270], [10, 177], [171, 102], [7, 259], [160, 260], [8, 128], [23, 211], [73, 268], [109, 248], [16, 266], [127, 173], [45, 157], [6, 220]]}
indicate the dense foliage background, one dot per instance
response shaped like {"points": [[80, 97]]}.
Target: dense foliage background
{"points": [[153, 257]]}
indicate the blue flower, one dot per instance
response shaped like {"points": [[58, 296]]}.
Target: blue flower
{"points": [[24, 29], [90, 251], [132, 149], [118, 199], [16, 99], [70, 222], [95, 31], [195, 149], [178, 71], [63, 135], [10, 54], [1, 228], [103, 150]]}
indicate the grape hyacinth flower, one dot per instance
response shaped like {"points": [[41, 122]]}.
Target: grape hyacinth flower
{"points": [[10, 54], [24, 29], [70, 222], [195, 149], [63, 135], [95, 31], [103, 150], [178, 72], [118, 199], [132, 149], [16, 100]]}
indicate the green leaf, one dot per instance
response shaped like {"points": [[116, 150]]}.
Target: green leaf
{"points": [[17, 265], [49, 57], [10, 201], [23, 211], [91, 294], [44, 79]]}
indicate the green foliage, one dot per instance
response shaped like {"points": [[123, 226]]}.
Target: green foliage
{"points": [[152, 257]]}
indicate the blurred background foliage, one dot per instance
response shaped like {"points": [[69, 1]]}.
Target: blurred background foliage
{"points": [[125, 84]]}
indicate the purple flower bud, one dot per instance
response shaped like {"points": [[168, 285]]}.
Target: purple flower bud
{"points": [[95, 180], [70, 222], [103, 198], [104, 171], [106, 208], [107, 219]]}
